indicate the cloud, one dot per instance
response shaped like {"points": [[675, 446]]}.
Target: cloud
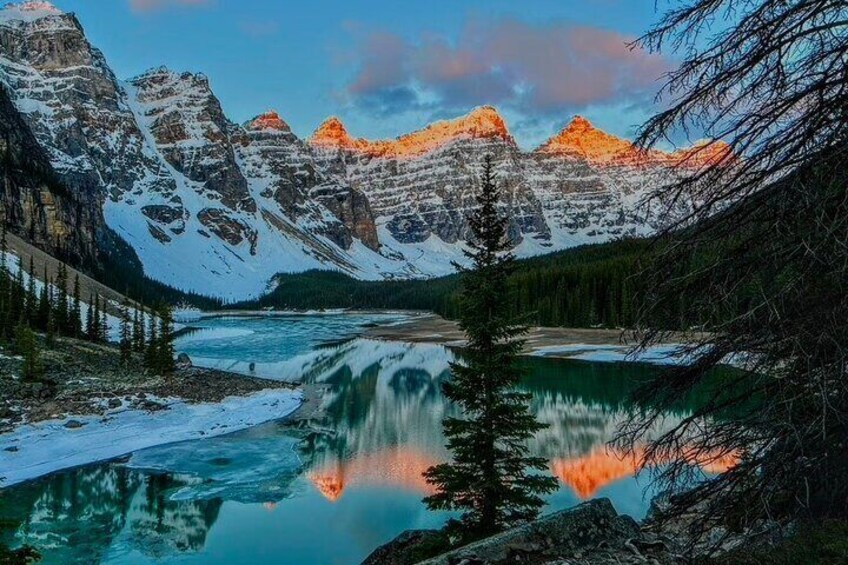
{"points": [[145, 6], [536, 69]]}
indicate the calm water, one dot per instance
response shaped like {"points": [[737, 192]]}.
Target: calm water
{"points": [[276, 494]]}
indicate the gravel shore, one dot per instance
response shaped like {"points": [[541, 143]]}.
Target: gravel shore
{"points": [[82, 378]]}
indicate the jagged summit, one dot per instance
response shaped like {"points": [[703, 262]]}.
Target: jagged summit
{"points": [[582, 140], [481, 123], [579, 124], [331, 133], [270, 120], [163, 72], [192, 192]]}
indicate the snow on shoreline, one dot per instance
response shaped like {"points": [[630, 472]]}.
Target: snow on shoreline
{"points": [[35, 450], [669, 354]]}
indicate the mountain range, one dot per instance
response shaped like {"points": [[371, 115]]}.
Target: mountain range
{"points": [[220, 208]]}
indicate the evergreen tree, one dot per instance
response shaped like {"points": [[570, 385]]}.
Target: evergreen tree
{"points": [[42, 314], [126, 333], [31, 297], [60, 309], [76, 310], [27, 347], [137, 332], [17, 298], [5, 285], [165, 353], [51, 319], [151, 352], [491, 477], [103, 330], [89, 320]]}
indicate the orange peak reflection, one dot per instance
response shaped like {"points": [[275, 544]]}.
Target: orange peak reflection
{"points": [[482, 122], [400, 467], [603, 466], [587, 475]]}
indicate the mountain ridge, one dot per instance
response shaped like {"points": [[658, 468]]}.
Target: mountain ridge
{"points": [[221, 208]]}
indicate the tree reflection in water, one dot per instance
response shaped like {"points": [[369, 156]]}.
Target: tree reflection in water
{"points": [[381, 428]]}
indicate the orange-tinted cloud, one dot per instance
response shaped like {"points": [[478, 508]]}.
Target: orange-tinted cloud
{"points": [[537, 68], [143, 6]]}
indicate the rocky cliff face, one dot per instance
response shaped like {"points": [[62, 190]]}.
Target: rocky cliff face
{"points": [[220, 208], [185, 187], [281, 168], [33, 202], [191, 133], [422, 185]]}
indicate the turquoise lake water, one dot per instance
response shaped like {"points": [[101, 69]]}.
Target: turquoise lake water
{"points": [[278, 494]]}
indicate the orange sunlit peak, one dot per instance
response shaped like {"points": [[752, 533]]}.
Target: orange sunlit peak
{"points": [[332, 133], [482, 122], [581, 139], [579, 124], [270, 120]]}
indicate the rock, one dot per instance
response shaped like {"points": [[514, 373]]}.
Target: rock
{"points": [[562, 535], [184, 361], [230, 229], [192, 133], [114, 403], [151, 406], [73, 424], [404, 549], [11, 449]]}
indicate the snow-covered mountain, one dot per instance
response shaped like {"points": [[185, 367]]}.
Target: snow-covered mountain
{"points": [[220, 208]]}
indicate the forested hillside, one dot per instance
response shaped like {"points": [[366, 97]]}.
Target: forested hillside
{"points": [[581, 287]]}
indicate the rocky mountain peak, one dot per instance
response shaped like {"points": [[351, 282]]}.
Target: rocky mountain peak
{"points": [[331, 133], [483, 122], [582, 140], [579, 124], [268, 121]]}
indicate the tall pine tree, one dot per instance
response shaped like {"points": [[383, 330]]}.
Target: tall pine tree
{"points": [[91, 335], [491, 479], [126, 333], [76, 310], [166, 340]]}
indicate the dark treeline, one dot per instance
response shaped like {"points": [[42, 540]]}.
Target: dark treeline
{"points": [[57, 309], [587, 286]]}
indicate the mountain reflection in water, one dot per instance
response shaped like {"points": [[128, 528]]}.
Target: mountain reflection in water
{"points": [[357, 470]]}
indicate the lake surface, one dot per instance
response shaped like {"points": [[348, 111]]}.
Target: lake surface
{"points": [[330, 493]]}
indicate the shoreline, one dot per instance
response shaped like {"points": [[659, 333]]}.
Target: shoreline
{"points": [[41, 436], [581, 344], [90, 407], [35, 450]]}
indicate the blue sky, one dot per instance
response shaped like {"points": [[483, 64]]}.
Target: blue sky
{"points": [[387, 67]]}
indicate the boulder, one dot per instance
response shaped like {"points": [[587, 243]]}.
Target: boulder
{"points": [[564, 535], [184, 361], [406, 548]]}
